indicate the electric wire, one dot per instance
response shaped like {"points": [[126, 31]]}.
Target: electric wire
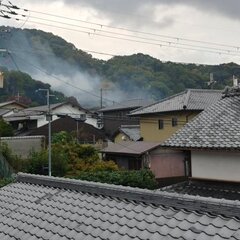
{"points": [[220, 52], [170, 44], [132, 30]]}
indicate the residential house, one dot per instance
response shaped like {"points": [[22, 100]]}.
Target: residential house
{"points": [[167, 165], [129, 154], [8, 108], [35, 117], [85, 133], [212, 140], [160, 120], [42, 207], [127, 133], [116, 115]]}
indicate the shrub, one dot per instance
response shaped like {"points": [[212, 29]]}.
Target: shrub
{"points": [[5, 181], [6, 129], [38, 163], [138, 178]]}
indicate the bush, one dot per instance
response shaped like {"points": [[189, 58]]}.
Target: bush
{"points": [[138, 178], [38, 163], [5, 181], [6, 129]]}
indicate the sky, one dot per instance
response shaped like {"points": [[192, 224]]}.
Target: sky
{"points": [[165, 29]]}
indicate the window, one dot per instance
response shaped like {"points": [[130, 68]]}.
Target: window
{"points": [[160, 124], [174, 122]]}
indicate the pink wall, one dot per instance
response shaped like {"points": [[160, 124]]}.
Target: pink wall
{"points": [[165, 163]]}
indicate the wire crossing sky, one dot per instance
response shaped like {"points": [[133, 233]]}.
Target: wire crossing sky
{"points": [[183, 32]]}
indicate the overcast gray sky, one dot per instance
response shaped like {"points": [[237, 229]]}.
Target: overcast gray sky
{"points": [[215, 21]]}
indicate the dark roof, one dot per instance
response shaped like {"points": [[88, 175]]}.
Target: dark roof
{"points": [[86, 132], [132, 131], [129, 147], [41, 207], [217, 128], [128, 104], [213, 189], [191, 99]]}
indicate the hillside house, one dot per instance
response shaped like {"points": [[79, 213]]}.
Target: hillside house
{"points": [[116, 115], [8, 108], [212, 140], [42, 207], [160, 120], [35, 117]]}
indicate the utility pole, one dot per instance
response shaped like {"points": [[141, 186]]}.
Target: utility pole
{"points": [[49, 119]]}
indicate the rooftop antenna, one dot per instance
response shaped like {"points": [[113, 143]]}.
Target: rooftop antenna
{"points": [[211, 81]]}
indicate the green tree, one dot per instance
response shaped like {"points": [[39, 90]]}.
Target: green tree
{"points": [[6, 129]]}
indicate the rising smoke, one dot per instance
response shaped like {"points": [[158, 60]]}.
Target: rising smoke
{"points": [[33, 55]]}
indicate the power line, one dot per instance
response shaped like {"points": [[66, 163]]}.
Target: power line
{"points": [[136, 41], [133, 30], [169, 43], [128, 35]]}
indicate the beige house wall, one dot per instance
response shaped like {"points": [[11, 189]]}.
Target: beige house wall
{"points": [[216, 165], [149, 125]]}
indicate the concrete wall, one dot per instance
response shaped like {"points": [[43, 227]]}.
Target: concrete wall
{"points": [[216, 165], [22, 146], [149, 125], [167, 163]]}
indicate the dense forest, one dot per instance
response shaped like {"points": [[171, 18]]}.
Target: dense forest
{"points": [[33, 53]]}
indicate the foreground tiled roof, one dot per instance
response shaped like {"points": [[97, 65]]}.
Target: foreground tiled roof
{"points": [[220, 190], [129, 147], [37, 207], [217, 128], [191, 99]]}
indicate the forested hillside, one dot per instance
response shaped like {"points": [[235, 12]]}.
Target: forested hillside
{"points": [[43, 55]]}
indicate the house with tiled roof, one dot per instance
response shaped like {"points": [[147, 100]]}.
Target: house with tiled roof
{"points": [[9, 107], [167, 165], [213, 140], [127, 133], [115, 115], [160, 120], [35, 117], [40, 207]]}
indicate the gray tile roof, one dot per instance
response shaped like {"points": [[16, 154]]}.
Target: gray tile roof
{"points": [[220, 190], [191, 99], [38, 207], [132, 131], [217, 127], [129, 147], [127, 104]]}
